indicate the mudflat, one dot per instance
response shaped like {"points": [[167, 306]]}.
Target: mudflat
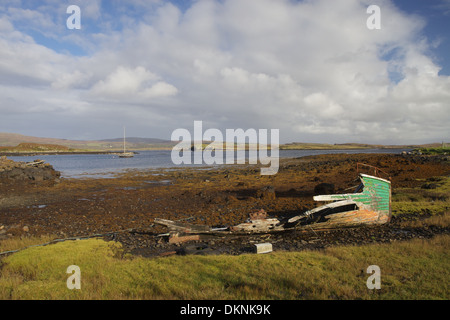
{"points": [[123, 207]]}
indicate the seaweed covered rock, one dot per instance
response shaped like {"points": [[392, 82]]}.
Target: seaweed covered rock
{"points": [[324, 188], [37, 171], [267, 192]]}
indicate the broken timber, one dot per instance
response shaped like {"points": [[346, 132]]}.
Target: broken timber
{"points": [[182, 227], [370, 204], [182, 232]]}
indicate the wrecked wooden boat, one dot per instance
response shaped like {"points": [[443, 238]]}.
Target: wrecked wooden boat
{"points": [[369, 204]]}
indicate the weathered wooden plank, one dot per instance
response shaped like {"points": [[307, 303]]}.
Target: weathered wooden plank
{"points": [[177, 238], [183, 226], [325, 206], [346, 219], [371, 206], [376, 194], [259, 225]]}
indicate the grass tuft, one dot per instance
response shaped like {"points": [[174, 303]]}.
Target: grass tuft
{"points": [[413, 201], [409, 270]]}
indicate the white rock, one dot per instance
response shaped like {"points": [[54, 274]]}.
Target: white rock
{"points": [[263, 247]]}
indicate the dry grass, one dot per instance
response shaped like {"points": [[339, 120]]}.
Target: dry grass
{"points": [[416, 269], [419, 201], [440, 220], [12, 244]]}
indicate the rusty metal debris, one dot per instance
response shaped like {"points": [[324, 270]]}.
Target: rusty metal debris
{"points": [[369, 204]]}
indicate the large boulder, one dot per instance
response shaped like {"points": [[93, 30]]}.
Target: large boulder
{"points": [[37, 171]]}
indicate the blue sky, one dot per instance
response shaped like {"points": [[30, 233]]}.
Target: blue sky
{"points": [[437, 29], [309, 68]]}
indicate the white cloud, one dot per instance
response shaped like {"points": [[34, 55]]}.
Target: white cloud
{"points": [[159, 89], [311, 69], [32, 18], [22, 61], [322, 106], [123, 81], [75, 79], [127, 83]]}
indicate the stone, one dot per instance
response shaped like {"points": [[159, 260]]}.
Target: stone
{"points": [[266, 193], [324, 188], [263, 247], [20, 172]]}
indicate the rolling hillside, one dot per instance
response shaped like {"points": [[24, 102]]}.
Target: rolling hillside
{"points": [[133, 143], [14, 139]]}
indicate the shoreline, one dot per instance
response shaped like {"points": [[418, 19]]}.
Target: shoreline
{"points": [[53, 153], [45, 153], [220, 196], [108, 170]]}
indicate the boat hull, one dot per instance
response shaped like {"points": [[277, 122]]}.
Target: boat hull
{"points": [[371, 205], [126, 155]]}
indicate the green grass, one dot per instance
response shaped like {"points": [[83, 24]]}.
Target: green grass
{"points": [[322, 146], [35, 147], [409, 270], [407, 201], [415, 269], [434, 151]]}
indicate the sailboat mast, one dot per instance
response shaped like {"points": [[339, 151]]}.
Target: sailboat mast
{"points": [[123, 139]]}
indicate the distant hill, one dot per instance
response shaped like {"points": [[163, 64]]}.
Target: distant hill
{"points": [[322, 146], [139, 143], [35, 147], [14, 139], [134, 143], [136, 140]]}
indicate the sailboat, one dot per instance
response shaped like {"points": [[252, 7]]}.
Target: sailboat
{"points": [[125, 154]]}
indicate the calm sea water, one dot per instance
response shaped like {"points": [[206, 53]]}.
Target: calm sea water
{"points": [[85, 165]]}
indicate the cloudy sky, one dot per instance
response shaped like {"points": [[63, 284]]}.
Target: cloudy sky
{"points": [[310, 68]]}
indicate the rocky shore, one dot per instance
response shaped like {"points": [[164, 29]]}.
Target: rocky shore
{"points": [[123, 208], [37, 171], [43, 153]]}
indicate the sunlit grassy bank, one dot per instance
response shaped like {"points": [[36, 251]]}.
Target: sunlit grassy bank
{"points": [[430, 151], [432, 198], [416, 269]]}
